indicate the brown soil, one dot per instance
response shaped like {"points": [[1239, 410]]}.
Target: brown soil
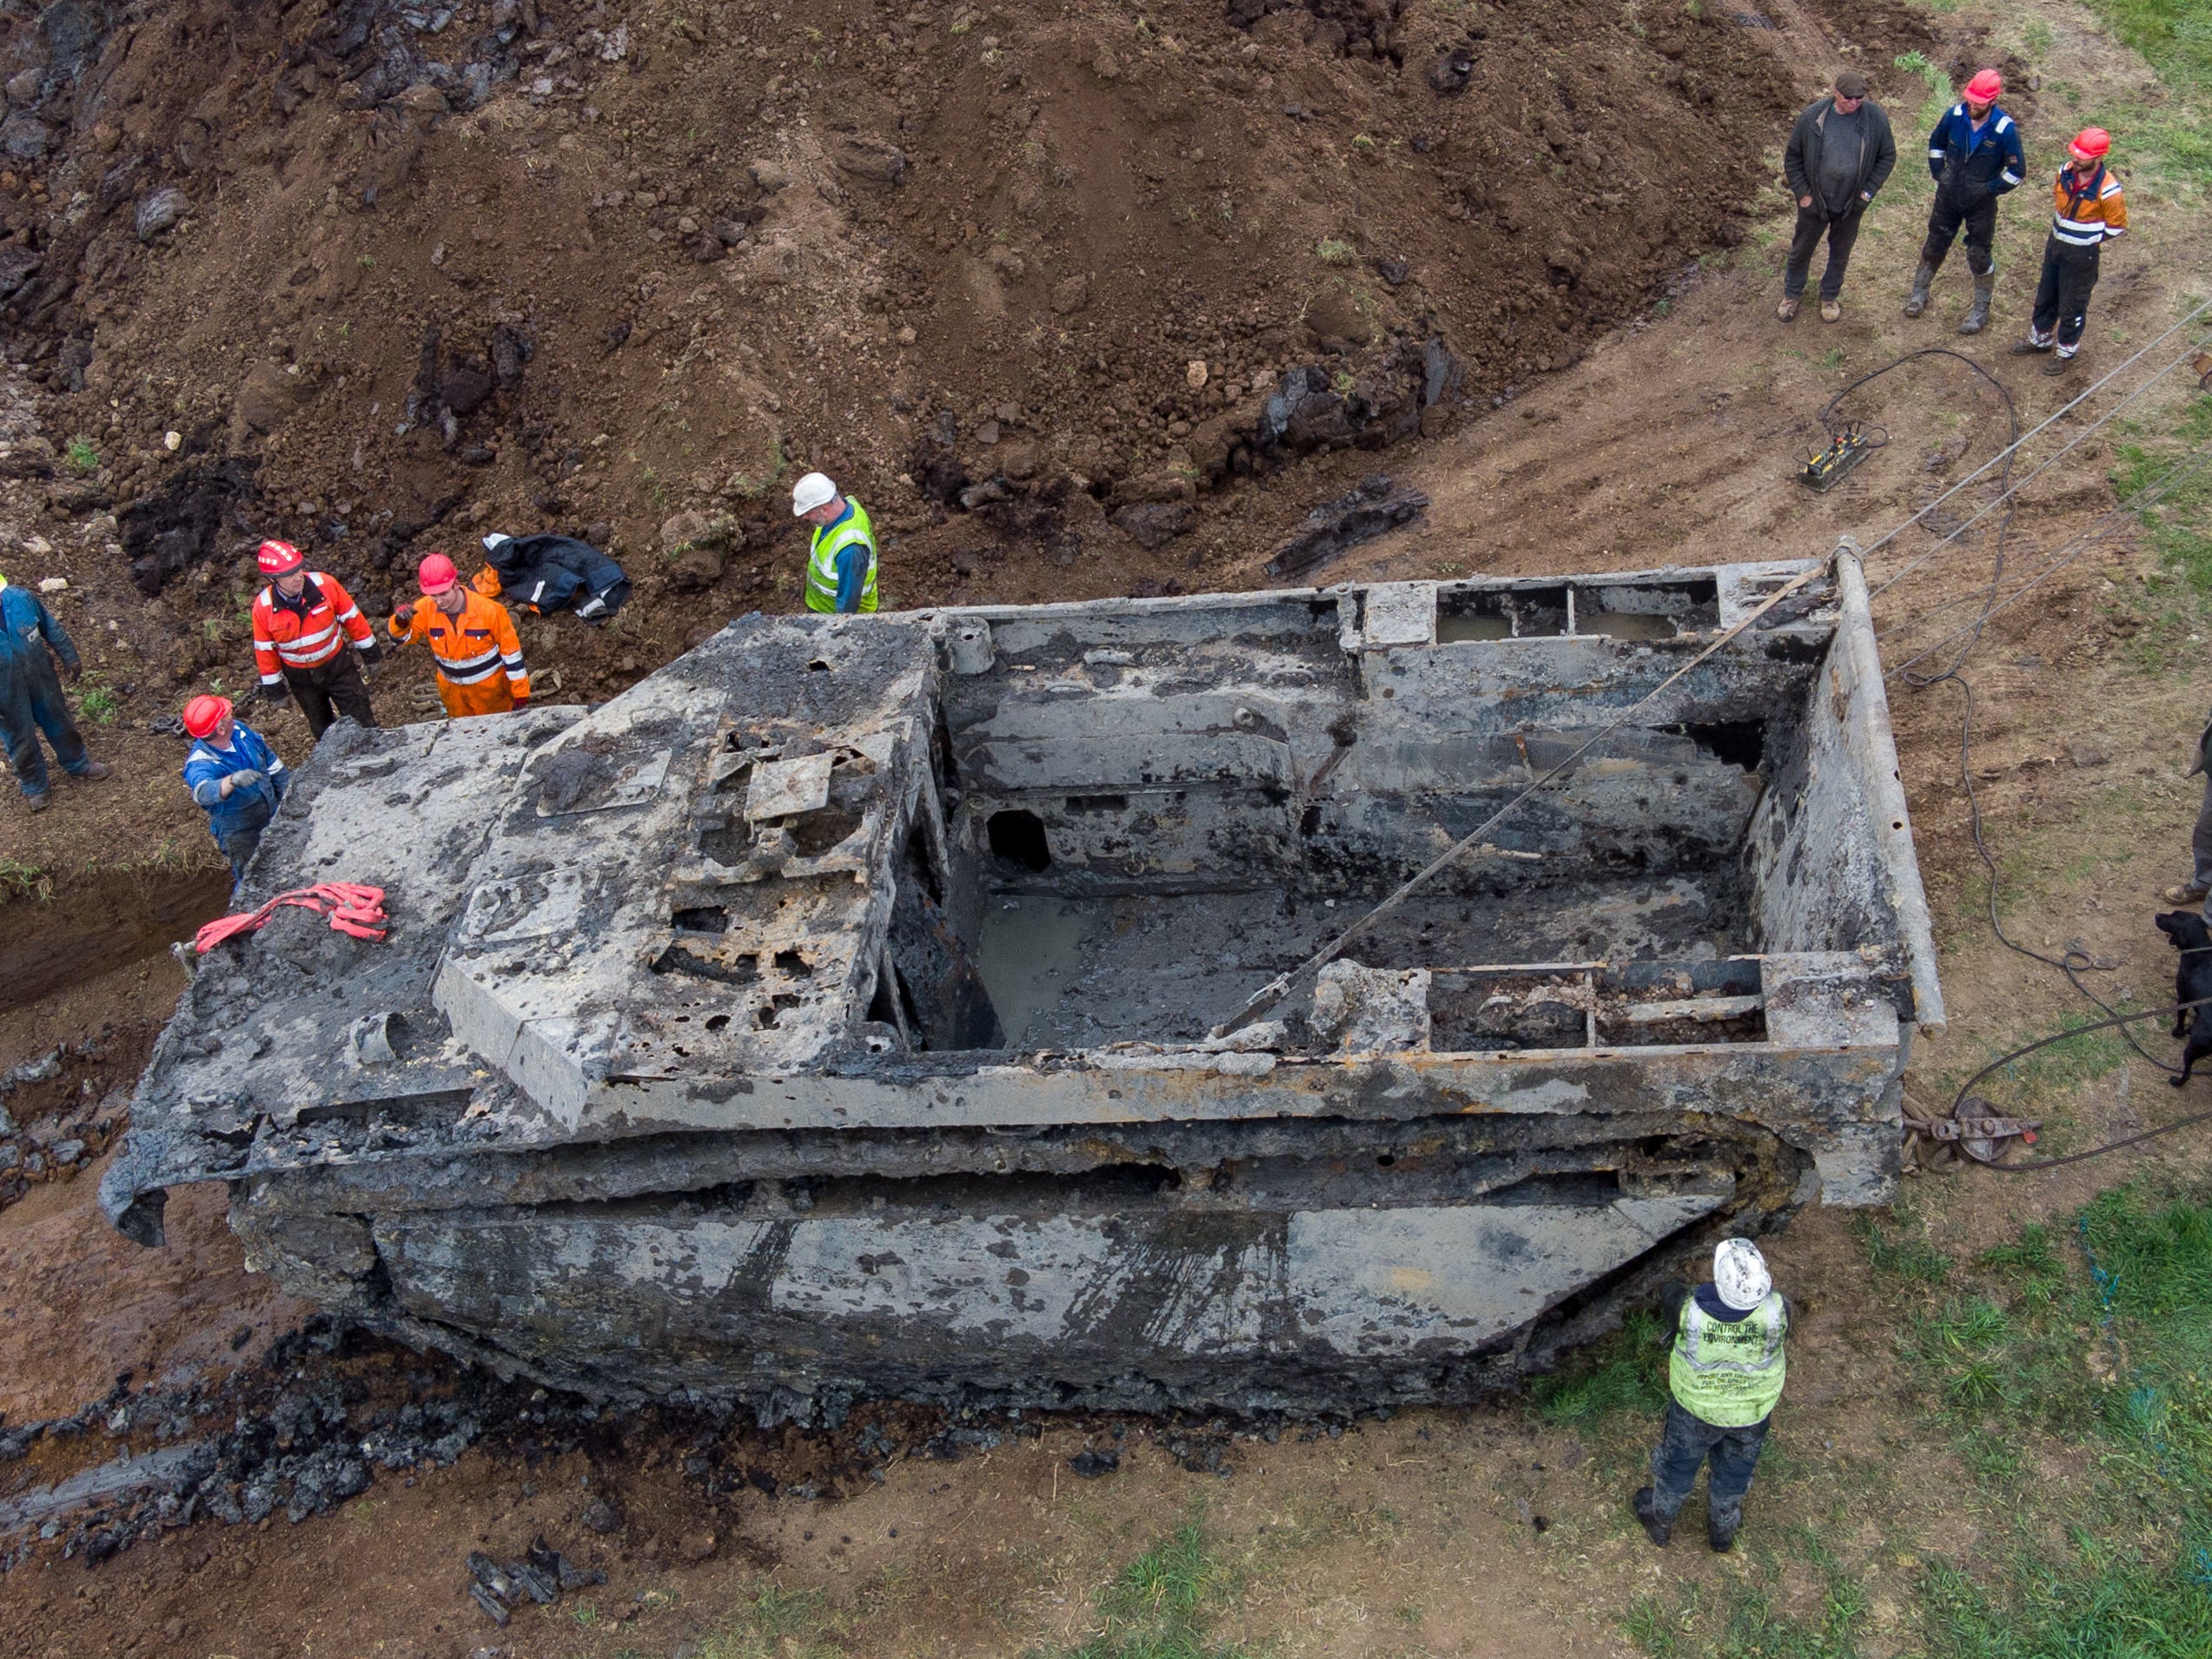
{"points": [[1667, 441]]}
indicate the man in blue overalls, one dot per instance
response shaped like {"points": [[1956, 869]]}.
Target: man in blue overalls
{"points": [[30, 695]]}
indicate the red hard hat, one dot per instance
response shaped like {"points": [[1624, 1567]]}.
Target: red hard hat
{"points": [[203, 714], [436, 573], [2091, 144], [280, 558], [1986, 87]]}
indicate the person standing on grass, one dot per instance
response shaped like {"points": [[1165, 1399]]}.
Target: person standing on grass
{"points": [[1725, 1374], [1840, 153]]}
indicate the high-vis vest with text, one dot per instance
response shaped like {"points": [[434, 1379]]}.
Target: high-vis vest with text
{"points": [[821, 561], [1729, 1375]]}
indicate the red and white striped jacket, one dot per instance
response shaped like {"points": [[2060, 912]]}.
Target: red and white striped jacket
{"points": [[304, 632]]}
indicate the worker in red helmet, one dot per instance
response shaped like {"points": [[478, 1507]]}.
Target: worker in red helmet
{"points": [[1976, 156], [479, 656], [303, 621], [2087, 210], [236, 776]]}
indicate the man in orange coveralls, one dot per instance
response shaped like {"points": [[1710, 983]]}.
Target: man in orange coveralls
{"points": [[479, 659]]}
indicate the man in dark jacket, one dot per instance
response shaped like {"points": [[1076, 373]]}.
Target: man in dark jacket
{"points": [[1840, 153], [1976, 156], [30, 695]]}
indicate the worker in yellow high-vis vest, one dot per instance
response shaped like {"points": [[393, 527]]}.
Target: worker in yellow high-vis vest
{"points": [[1725, 1374], [841, 559]]}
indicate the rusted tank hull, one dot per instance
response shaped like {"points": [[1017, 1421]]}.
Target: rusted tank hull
{"points": [[830, 1015]]}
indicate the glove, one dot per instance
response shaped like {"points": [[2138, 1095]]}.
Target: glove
{"points": [[276, 695], [372, 653], [73, 672], [403, 613], [246, 780]]}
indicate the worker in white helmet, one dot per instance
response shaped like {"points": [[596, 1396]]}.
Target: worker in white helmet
{"points": [[1725, 1374], [841, 561]]}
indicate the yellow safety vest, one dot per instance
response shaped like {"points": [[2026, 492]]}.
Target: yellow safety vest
{"points": [[822, 560], [1729, 1375]]}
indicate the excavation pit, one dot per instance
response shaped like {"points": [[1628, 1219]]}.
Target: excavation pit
{"points": [[831, 1014]]}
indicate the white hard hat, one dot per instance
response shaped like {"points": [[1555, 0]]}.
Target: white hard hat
{"points": [[814, 490], [1739, 1274], [491, 543]]}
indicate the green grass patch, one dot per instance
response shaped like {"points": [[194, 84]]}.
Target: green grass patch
{"points": [[79, 456], [773, 1623], [1624, 1373], [1161, 1605], [20, 882]]}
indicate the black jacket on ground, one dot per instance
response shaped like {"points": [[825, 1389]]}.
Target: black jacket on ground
{"points": [[550, 574], [1801, 160]]}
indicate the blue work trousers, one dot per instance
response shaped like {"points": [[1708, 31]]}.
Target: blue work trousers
{"points": [[1687, 1441], [31, 702]]}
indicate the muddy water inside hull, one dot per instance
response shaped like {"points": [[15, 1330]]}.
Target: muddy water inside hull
{"points": [[1030, 956], [1452, 630], [1081, 973], [1624, 625]]}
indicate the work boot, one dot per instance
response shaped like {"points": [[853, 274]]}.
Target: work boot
{"points": [[93, 772], [1829, 311], [37, 803], [1917, 301], [2028, 346], [1657, 1528], [1721, 1533], [2060, 362], [2186, 893], [1977, 314], [1788, 309]]}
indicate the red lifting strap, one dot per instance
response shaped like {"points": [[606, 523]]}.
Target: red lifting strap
{"points": [[352, 908]]}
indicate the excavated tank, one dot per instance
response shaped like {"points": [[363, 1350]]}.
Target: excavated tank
{"points": [[829, 1014]]}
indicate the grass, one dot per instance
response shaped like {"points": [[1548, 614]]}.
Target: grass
{"points": [[1622, 1373], [1159, 1605], [773, 1623], [1333, 250], [21, 881], [80, 456], [97, 700], [2071, 1368]]}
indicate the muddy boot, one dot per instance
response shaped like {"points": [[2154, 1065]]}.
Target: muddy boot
{"points": [[1720, 1532], [1656, 1528], [2060, 362], [1787, 311], [37, 803], [1977, 314], [93, 772], [1917, 301]]}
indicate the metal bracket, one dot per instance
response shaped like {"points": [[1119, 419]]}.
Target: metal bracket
{"points": [[1974, 1129]]}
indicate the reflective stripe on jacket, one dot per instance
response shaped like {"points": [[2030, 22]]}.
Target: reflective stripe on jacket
{"points": [[1970, 165], [480, 659], [2086, 211], [285, 637], [1729, 1375], [822, 558], [250, 808]]}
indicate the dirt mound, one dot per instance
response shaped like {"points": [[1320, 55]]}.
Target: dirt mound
{"points": [[517, 264]]}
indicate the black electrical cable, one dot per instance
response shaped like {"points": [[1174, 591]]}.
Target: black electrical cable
{"points": [[2122, 1019], [2074, 963]]}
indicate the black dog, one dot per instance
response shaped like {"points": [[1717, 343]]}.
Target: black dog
{"points": [[2192, 983]]}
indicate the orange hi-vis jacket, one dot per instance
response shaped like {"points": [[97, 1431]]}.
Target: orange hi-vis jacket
{"points": [[2087, 208], [479, 659], [285, 638]]}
